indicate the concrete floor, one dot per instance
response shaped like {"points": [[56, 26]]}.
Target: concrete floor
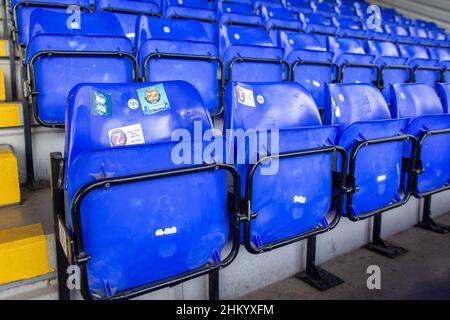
{"points": [[36, 207], [423, 273]]}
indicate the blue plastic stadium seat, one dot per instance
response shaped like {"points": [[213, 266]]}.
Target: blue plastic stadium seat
{"points": [[317, 23], [420, 34], [299, 6], [443, 56], [278, 19], [127, 12], [312, 65], [258, 4], [200, 10], [250, 54], [362, 114], [444, 93], [356, 65], [393, 67], [399, 33], [324, 8], [22, 10], [421, 105], [427, 70], [178, 50], [59, 58], [139, 232], [347, 11], [349, 27], [238, 13], [294, 195]]}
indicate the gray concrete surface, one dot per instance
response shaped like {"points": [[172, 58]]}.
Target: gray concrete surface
{"points": [[423, 273]]}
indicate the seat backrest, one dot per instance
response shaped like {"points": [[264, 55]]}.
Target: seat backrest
{"points": [[185, 38], [441, 54], [413, 51], [23, 9], [238, 8], [268, 106], [199, 4], [277, 13], [95, 50], [349, 23], [383, 48], [348, 103], [413, 100], [444, 94], [250, 42], [127, 12], [397, 30], [346, 45], [291, 41], [418, 32]]}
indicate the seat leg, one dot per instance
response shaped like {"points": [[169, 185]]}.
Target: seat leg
{"points": [[315, 276], [428, 223], [380, 246], [213, 285]]}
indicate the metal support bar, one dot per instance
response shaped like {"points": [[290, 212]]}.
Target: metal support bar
{"points": [[426, 68], [59, 215], [27, 135], [380, 246], [400, 67], [315, 276], [427, 221], [213, 285]]}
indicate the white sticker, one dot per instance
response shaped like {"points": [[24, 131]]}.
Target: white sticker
{"points": [[63, 238], [381, 178], [228, 9], [74, 25], [131, 35], [402, 95], [166, 29], [338, 112], [341, 97], [316, 83], [271, 14], [237, 36], [291, 41], [126, 136], [166, 231], [245, 96], [180, 2], [133, 104], [260, 99], [300, 199]]}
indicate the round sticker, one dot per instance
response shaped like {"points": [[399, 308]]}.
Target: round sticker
{"points": [[180, 2], [133, 104], [402, 95], [237, 36], [341, 97], [118, 138], [291, 41], [166, 29], [228, 9], [260, 99], [316, 83], [152, 96], [271, 14]]}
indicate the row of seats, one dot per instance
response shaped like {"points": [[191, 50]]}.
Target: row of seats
{"points": [[272, 15], [176, 50], [190, 226]]}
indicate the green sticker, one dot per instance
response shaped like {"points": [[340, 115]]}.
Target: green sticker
{"points": [[153, 99], [101, 104]]}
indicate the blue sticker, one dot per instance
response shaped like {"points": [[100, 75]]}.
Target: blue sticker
{"points": [[101, 104], [153, 99]]}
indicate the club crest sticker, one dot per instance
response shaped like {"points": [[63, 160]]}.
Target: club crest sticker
{"points": [[101, 104], [245, 96], [126, 136], [153, 99]]}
